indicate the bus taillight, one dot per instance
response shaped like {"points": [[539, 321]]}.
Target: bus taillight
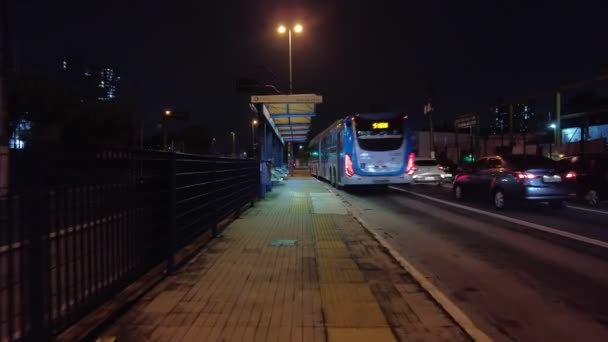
{"points": [[410, 168], [348, 166]]}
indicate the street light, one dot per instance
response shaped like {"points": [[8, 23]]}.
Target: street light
{"points": [[298, 28], [233, 143], [254, 123], [553, 126], [167, 114]]}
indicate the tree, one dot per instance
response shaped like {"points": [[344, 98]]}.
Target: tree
{"points": [[196, 139], [61, 116]]}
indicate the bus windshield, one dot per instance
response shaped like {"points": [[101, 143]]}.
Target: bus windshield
{"points": [[378, 133]]}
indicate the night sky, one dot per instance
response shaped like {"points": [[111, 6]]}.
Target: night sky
{"points": [[188, 54]]}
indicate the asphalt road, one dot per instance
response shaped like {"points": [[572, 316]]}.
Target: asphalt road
{"points": [[514, 284]]}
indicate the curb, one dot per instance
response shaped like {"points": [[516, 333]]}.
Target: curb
{"points": [[442, 300], [461, 319]]}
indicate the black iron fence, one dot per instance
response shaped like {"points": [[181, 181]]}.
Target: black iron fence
{"points": [[79, 227]]}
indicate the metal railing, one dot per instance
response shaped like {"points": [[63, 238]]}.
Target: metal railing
{"points": [[79, 227]]}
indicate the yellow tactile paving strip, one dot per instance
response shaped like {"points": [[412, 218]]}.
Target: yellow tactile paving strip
{"points": [[240, 288]]}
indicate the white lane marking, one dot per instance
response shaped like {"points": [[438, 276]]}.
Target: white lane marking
{"points": [[588, 209], [452, 309], [448, 306], [527, 224]]}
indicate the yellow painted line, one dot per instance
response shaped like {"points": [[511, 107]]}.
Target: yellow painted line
{"points": [[526, 224], [106, 339]]}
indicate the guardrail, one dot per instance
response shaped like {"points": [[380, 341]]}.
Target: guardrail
{"points": [[82, 226]]}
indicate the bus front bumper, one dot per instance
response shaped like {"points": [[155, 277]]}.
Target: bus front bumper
{"points": [[377, 180]]}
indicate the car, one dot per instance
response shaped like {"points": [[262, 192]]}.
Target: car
{"points": [[591, 172], [428, 170], [516, 178]]}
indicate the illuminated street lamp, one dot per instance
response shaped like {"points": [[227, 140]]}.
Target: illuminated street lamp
{"points": [[553, 126], [298, 28], [254, 123], [167, 115]]}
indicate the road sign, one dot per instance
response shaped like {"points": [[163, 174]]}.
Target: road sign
{"points": [[296, 98], [466, 121]]}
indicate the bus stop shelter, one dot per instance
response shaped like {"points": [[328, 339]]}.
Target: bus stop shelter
{"points": [[282, 121]]}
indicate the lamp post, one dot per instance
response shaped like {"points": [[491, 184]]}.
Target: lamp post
{"points": [[166, 115], [553, 126], [233, 143], [254, 123], [298, 28]]}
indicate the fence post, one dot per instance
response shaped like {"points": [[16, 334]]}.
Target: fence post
{"points": [[237, 209], [172, 224], [215, 222], [39, 257], [253, 179]]}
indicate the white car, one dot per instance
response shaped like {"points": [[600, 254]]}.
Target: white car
{"points": [[428, 170]]}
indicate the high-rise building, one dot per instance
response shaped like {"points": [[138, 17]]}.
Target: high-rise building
{"points": [[108, 82], [91, 82], [500, 121], [524, 119]]}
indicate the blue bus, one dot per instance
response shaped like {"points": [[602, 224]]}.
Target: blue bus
{"points": [[364, 149]]}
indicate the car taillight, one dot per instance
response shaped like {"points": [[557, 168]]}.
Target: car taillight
{"points": [[571, 175], [348, 166], [525, 175], [440, 167], [410, 168]]}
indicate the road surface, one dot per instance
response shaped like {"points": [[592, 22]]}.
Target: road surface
{"points": [[514, 282]]}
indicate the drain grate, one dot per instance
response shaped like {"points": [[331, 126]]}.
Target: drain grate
{"points": [[280, 243]]}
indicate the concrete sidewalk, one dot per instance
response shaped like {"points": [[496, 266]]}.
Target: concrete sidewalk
{"points": [[296, 267]]}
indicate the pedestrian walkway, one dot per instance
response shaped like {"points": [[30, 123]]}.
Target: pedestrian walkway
{"points": [[296, 267]]}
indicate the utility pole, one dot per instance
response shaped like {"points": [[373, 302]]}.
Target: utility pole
{"points": [[428, 110], [233, 144], [4, 121], [558, 121], [290, 66], [511, 137]]}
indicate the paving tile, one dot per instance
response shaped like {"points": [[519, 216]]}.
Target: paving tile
{"points": [[241, 288]]}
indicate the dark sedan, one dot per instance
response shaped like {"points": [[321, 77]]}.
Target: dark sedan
{"points": [[591, 172], [515, 178]]}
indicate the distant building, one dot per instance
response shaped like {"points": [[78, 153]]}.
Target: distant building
{"points": [[500, 121], [92, 82], [20, 134], [524, 119]]}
